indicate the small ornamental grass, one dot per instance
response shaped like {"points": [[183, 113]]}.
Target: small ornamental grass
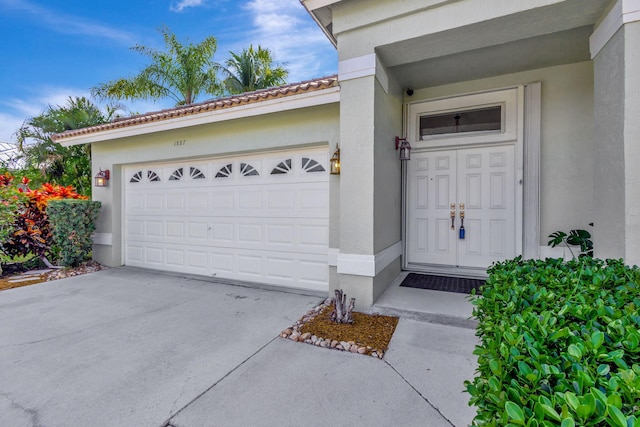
{"points": [[560, 344]]}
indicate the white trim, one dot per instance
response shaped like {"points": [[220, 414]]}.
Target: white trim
{"points": [[309, 99], [332, 257], [368, 265], [311, 5], [355, 68], [385, 257], [102, 239], [358, 265], [623, 12], [531, 202], [363, 66]]}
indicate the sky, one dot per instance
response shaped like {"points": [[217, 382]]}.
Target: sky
{"points": [[54, 49]]}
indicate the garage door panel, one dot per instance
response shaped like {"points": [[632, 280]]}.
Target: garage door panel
{"points": [[175, 201], [175, 229], [198, 230], [261, 218], [154, 255], [153, 201], [197, 201], [280, 234], [250, 234], [175, 257], [249, 266], [198, 261], [222, 233], [249, 199]]}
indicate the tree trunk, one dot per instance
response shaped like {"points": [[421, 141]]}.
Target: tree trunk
{"points": [[341, 313]]}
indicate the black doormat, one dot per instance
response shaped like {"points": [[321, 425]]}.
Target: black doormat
{"points": [[460, 285]]}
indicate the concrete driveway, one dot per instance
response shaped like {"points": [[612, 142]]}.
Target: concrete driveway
{"points": [[126, 347]]}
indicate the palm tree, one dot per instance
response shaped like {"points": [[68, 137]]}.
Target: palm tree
{"points": [[252, 69], [181, 73], [58, 164]]}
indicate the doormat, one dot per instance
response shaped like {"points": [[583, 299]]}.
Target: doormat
{"points": [[461, 285]]}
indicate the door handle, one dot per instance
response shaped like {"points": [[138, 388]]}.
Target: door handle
{"points": [[461, 232], [453, 216]]}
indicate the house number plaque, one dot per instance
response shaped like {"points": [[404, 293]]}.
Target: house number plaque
{"points": [[179, 142]]}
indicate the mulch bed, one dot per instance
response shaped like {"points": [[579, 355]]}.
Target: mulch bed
{"points": [[369, 334]]}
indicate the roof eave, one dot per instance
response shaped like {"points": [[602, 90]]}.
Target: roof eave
{"points": [[307, 99], [312, 6]]}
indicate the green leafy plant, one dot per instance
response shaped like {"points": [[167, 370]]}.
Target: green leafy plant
{"points": [[559, 344], [31, 234], [580, 238], [72, 222]]}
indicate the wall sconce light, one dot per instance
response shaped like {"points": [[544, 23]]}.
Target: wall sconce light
{"points": [[102, 178], [335, 162], [405, 148]]}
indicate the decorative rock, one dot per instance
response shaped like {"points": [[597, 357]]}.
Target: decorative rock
{"points": [[362, 350], [308, 341], [306, 335], [374, 354], [345, 345], [339, 347], [314, 338], [334, 344], [353, 349], [324, 344], [288, 331]]}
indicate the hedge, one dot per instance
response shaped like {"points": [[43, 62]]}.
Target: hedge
{"points": [[72, 222], [559, 344]]}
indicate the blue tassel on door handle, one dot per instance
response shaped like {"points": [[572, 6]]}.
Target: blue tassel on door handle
{"points": [[461, 231]]}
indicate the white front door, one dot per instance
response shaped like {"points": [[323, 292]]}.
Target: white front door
{"points": [[443, 184]]}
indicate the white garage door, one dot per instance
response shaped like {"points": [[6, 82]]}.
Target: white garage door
{"points": [[261, 218]]}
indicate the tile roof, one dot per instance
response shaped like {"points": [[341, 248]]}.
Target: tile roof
{"points": [[211, 105]]}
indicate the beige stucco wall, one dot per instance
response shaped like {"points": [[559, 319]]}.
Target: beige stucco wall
{"points": [[567, 141], [388, 172], [617, 174], [312, 126], [390, 21]]}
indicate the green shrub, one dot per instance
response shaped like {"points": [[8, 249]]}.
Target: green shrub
{"points": [[560, 344], [72, 221]]}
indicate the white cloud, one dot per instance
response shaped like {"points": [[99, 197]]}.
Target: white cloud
{"points": [[284, 27], [183, 4], [9, 124], [13, 112], [68, 24]]}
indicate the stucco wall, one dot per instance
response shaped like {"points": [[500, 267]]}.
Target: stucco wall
{"points": [[609, 149], [313, 126], [567, 160], [390, 21], [632, 141], [357, 159], [388, 174]]}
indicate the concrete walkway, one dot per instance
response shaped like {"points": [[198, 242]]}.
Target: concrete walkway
{"points": [[129, 347]]}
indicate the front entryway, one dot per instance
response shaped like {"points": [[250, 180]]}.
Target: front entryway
{"points": [[463, 184], [470, 189]]}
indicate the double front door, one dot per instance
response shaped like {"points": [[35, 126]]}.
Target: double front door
{"points": [[469, 188]]}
